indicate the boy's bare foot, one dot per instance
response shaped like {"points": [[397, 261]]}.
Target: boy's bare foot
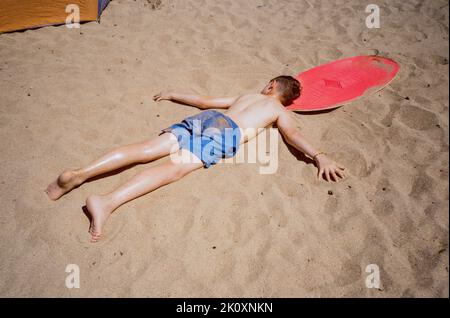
{"points": [[66, 181], [99, 212]]}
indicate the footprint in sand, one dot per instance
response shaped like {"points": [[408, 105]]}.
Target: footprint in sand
{"points": [[360, 166], [439, 60], [422, 263], [154, 4], [383, 207], [349, 273], [417, 118], [422, 186]]}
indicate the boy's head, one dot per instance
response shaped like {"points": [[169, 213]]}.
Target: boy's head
{"points": [[285, 87]]}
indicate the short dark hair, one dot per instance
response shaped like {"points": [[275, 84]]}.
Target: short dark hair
{"points": [[289, 88]]}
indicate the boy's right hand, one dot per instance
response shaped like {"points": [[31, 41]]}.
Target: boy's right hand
{"points": [[162, 96]]}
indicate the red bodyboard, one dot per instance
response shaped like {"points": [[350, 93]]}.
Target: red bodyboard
{"points": [[340, 82]]}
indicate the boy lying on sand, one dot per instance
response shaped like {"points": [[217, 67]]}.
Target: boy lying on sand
{"points": [[217, 135]]}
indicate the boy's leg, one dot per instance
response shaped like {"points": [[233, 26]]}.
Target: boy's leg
{"points": [[121, 157], [100, 207]]}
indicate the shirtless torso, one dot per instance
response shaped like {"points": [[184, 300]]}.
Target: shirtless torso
{"points": [[254, 111]]}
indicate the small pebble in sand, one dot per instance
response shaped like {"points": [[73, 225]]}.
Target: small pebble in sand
{"points": [[330, 192]]}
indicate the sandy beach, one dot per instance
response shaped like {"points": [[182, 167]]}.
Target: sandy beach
{"points": [[68, 96]]}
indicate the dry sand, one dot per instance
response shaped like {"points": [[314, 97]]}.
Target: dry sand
{"points": [[68, 96]]}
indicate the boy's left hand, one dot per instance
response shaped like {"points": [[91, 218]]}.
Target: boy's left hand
{"points": [[329, 168]]}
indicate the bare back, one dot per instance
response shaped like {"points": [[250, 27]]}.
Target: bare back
{"points": [[254, 111]]}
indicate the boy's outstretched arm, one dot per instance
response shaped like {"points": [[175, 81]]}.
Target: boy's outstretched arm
{"points": [[202, 102], [292, 135]]}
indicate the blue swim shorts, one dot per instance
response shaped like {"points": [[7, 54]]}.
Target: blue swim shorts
{"points": [[210, 136]]}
